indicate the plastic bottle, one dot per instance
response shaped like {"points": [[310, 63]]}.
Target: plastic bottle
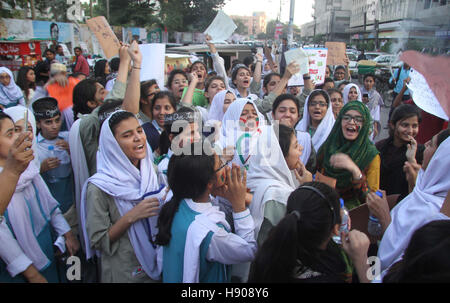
{"points": [[344, 222], [52, 172], [373, 225]]}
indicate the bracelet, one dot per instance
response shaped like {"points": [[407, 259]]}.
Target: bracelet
{"points": [[136, 67]]}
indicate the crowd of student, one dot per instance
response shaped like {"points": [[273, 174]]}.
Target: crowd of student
{"points": [[221, 176]]}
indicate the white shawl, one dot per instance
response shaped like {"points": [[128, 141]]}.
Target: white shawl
{"points": [[216, 110], [418, 208], [119, 178], [12, 92], [347, 90], [304, 139], [204, 223], [324, 128], [269, 177]]}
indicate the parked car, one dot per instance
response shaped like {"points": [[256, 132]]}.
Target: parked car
{"points": [[353, 64], [373, 55]]}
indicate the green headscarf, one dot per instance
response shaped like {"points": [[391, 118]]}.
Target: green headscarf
{"points": [[361, 151]]}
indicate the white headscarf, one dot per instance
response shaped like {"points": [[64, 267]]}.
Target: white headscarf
{"points": [[304, 139], [119, 178], [216, 110], [17, 113], [232, 135], [346, 90], [418, 208], [29, 212], [11, 93], [269, 177], [324, 128]]}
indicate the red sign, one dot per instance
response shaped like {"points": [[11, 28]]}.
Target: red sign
{"points": [[20, 48]]}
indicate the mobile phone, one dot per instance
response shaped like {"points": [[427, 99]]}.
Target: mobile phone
{"points": [[259, 50], [25, 119]]}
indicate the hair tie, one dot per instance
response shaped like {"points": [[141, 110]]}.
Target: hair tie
{"points": [[297, 214]]}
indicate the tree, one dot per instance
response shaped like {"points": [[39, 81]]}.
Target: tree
{"points": [[189, 15], [138, 13], [241, 27]]}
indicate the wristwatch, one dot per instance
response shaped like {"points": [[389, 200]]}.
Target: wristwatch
{"points": [[306, 78]]}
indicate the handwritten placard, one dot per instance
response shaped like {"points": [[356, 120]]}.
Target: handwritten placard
{"points": [[299, 56], [317, 59], [221, 28], [436, 71], [423, 96], [336, 53], [153, 60], [105, 36]]}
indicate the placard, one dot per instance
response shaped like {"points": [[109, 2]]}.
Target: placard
{"points": [[221, 28], [105, 36], [153, 58], [336, 53], [317, 64]]}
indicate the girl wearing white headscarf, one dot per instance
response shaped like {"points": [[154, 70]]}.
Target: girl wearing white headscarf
{"points": [[118, 218], [10, 92], [217, 109], [241, 126], [321, 132], [421, 206], [346, 92], [32, 217]]}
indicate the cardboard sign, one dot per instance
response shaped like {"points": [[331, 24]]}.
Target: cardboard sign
{"points": [[336, 53], [436, 71], [105, 36]]}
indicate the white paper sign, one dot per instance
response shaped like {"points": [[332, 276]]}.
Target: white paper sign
{"points": [[221, 28], [317, 58], [153, 60], [299, 56], [296, 80], [423, 96]]}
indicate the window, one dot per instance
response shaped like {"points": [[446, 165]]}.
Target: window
{"points": [[427, 4]]}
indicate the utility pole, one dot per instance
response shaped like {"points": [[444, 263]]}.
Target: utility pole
{"points": [[107, 11], [291, 23], [33, 10], [91, 8]]}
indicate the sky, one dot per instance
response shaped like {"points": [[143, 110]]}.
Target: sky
{"points": [[302, 13]]}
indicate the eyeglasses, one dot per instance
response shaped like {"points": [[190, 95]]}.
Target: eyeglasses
{"points": [[314, 103], [357, 119], [336, 100]]}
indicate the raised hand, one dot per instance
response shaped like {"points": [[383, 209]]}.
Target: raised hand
{"points": [[379, 207], [236, 188], [292, 69], [20, 154], [135, 54], [411, 150]]}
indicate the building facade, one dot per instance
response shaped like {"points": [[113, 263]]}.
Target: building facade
{"points": [[255, 24], [400, 20]]}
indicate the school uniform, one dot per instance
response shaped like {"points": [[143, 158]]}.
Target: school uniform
{"points": [[153, 132], [62, 189]]}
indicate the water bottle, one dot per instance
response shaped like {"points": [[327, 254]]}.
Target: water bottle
{"points": [[373, 226], [344, 222], [52, 172]]}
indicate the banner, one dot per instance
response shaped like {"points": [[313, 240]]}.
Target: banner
{"points": [[317, 64]]}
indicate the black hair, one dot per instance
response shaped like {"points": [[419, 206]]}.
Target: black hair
{"points": [[22, 81], [145, 85], [42, 105], [50, 50], [268, 77], [284, 135], [331, 70], [328, 79], [198, 62], [210, 81], [188, 176], [249, 60], [319, 92], [164, 94], [118, 117], [3, 116], [99, 69], [164, 140], [308, 223], [107, 108], [402, 112], [344, 83], [83, 92], [369, 75], [426, 258], [442, 135], [75, 75], [236, 70], [334, 90], [77, 48], [283, 97], [172, 76], [114, 64]]}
